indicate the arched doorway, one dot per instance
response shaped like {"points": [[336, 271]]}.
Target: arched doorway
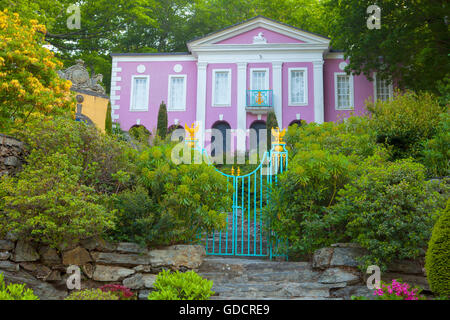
{"points": [[297, 122], [222, 126], [174, 127], [258, 134]]}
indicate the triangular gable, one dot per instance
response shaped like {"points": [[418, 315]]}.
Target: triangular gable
{"points": [[259, 34], [272, 32]]}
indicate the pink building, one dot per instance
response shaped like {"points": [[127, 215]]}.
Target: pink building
{"points": [[230, 79]]}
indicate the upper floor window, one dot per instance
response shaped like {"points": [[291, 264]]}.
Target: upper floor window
{"points": [[343, 91], [177, 92], [221, 88], [139, 93], [383, 89], [298, 90], [260, 79]]}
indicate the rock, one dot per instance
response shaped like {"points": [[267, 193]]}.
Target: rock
{"points": [[134, 282], [12, 236], [24, 252], [412, 280], [6, 245], [49, 256], [8, 266], [78, 256], [88, 270], [95, 243], [143, 294], [121, 259], [407, 266], [54, 275], [337, 275], [129, 247], [357, 291], [43, 290], [346, 257], [42, 272], [11, 161], [178, 256], [143, 268], [346, 245], [110, 273], [149, 280], [4, 255], [28, 266], [322, 258]]}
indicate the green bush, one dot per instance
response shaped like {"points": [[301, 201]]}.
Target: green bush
{"points": [[181, 286], [47, 203], [15, 291], [437, 262], [171, 203], [108, 120], [271, 123], [92, 294], [390, 211], [436, 152], [405, 122], [299, 203]]}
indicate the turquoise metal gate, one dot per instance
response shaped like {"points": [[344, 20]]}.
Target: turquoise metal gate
{"points": [[247, 233]]}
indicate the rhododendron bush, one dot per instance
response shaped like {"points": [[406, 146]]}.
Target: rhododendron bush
{"points": [[29, 82]]}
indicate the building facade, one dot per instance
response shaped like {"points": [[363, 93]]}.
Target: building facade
{"points": [[232, 78]]}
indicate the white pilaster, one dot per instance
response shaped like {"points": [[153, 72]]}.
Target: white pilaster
{"points": [[201, 101], [241, 104], [277, 92], [319, 112]]}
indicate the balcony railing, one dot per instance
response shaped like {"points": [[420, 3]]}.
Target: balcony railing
{"points": [[259, 98]]}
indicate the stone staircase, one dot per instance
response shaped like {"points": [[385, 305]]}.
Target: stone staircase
{"points": [[256, 279]]}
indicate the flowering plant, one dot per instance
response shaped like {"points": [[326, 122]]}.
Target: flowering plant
{"points": [[120, 291], [397, 291]]}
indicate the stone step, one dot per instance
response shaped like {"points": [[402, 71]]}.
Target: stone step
{"points": [[226, 264]]}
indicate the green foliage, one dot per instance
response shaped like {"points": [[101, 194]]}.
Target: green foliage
{"points": [[405, 122], [47, 203], [15, 291], [298, 205], [437, 262], [162, 121], [413, 52], [436, 151], [140, 133], [108, 120], [92, 294], [390, 210], [171, 203], [181, 286], [271, 123]]}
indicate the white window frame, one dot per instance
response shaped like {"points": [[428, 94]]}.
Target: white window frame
{"points": [[213, 88], [169, 93], [390, 87], [133, 109], [305, 79], [352, 92], [266, 80]]}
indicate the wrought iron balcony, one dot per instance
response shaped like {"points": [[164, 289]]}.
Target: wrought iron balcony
{"points": [[259, 98]]}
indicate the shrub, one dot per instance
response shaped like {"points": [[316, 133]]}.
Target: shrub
{"points": [[92, 294], [271, 123], [140, 133], [122, 292], [15, 291], [390, 211], [47, 203], [171, 203], [29, 83], [436, 152], [298, 204], [437, 262], [181, 286], [108, 120], [162, 121], [405, 122], [395, 291]]}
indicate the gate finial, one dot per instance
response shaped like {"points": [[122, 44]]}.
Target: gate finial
{"points": [[190, 132], [278, 135]]}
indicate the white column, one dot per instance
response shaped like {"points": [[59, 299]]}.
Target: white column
{"points": [[319, 113], [241, 104], [277, 92], [201, 101]]}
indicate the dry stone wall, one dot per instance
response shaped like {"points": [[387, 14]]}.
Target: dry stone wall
{"points": [[44, 269], [12, 155]]}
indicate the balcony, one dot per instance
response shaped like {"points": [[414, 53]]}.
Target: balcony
{"points": [[259, 101]]}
